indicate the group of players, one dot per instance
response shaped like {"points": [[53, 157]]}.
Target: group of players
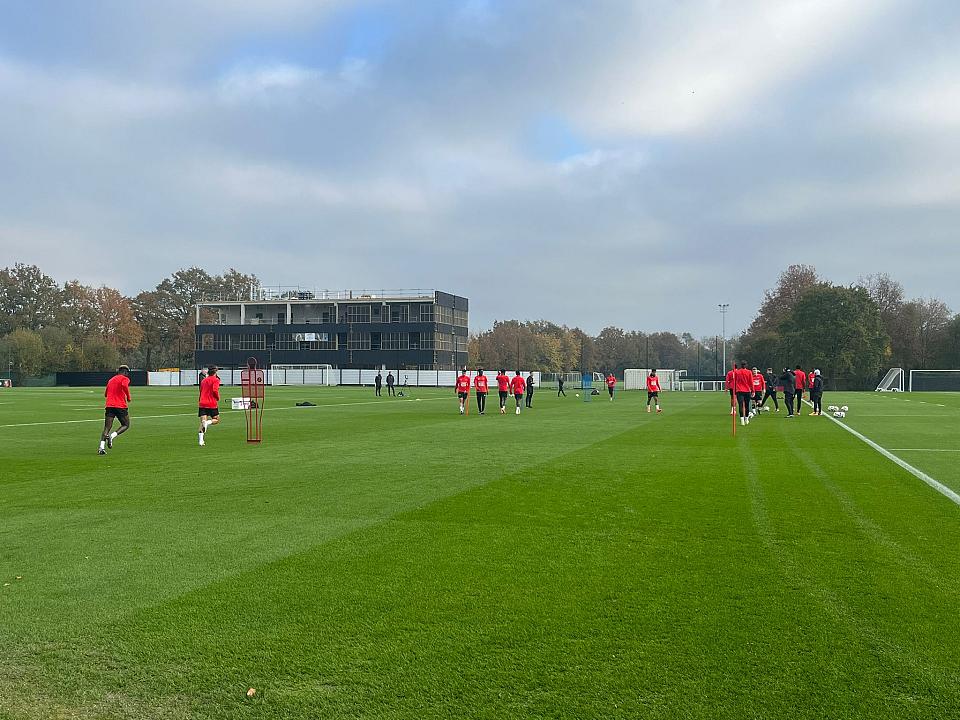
{"points": [[750, 389], [520, 388], [117, 394]]}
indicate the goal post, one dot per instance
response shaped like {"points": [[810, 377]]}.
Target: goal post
{"points": [[934, 381], [892, 381], [301, 375]]}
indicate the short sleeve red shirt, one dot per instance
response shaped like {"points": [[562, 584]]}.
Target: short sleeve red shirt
{"points": [[653, 383], [210, 392], [518, 384], [463, 384], [503, 383], [118, 391], [611, 381], [801, 378], [480, 382]]}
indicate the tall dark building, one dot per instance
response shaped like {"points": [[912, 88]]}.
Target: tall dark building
{"points": [[418, 329]]}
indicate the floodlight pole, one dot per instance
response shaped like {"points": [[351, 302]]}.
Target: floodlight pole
{"points": [[723, 315]]}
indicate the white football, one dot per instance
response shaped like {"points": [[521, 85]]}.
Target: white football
{"points": [[832, 408], [844, 408], [837, 413], [578, 394], [766, 409]]}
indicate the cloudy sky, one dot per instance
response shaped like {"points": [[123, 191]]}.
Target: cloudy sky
{"points": [[592, 162]]}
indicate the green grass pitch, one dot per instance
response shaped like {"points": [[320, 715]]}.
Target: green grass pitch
{"points": [[392, 559]]}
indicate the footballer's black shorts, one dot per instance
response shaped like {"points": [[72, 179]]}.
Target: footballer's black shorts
{"points": [[758, 397], [121, 414], [210, 412], [462, 396], [651, 395]]}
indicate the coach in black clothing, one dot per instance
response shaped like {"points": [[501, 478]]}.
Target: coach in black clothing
{"points": [[771, 380], [816, 393], [788, 380]]}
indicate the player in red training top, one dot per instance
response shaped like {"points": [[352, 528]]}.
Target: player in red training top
{"points": [[209, 402], [732, 388], [463, 388], [117, 395], [801, 383], [503, 385], [653, 390], [480, 383], [759, 385], [611, 385], [519, 386], [743, 382]]}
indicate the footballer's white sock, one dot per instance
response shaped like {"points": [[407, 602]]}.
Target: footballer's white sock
{"points": [[200, 436], [103, 444], [113, 435]]}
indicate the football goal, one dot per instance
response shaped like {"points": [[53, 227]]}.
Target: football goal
{"points": [[301, 375], [892, 381], [934, 380], [636, 379]]}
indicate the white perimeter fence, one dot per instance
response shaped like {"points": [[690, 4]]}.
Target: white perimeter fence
{"points": [[411, 378]]}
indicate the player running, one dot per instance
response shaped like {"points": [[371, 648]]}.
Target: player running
{"points": [[503, 385], [480, 383], [209, 411], [463, 389], [732, 388], [653, 390], [117, 394], [518, 385], [759, 385], [611, 385]]}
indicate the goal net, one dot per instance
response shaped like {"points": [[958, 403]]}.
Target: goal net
{"points": [[892, 381], [636, 379], [934, 380], [301, 375]]}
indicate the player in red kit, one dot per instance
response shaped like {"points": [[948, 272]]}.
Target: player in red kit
{"points": [[463, 389], [743, 383], [480, 383], [117, 396], [653, 390], [519, 386], [209, 403], [801, 383], [503, 385], [611, 385], [759, 385], [731, 387]]}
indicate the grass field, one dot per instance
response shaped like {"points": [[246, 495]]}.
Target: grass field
{"points": [[392, 559]]}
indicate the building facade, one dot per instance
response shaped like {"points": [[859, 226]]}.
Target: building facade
{"points": [[419, 329]]}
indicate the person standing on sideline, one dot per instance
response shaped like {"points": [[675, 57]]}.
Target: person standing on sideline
{"points": [[611, 385], [480, 383], [743, 383], [209, 411], [463, 388], [503, 385], [518, 386], [816, 393], [530, 389], [560, 386], [770, 380], [788, 381], [800, 382], [117, 394], [653, 390], [390, 383], [732, 388], [378, 382]]}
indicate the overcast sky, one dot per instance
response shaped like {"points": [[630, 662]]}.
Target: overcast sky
{"points": [[594, 163]]}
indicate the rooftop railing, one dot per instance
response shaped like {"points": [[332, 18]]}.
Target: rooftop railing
{"points": [[297, 292]]}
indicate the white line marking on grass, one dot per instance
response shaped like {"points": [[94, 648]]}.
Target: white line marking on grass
{"points": [[938, 486], [922, 450], [193, 414]]}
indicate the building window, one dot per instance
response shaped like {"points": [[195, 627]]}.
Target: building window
{"points": [[395, 341], [358, 341], [444, 315], [221, 342], [400, 313], [426, 313], [460, 318], [253, 341], [358, 313], [374, 341], [461, 343], [442, 342], [206, 342]]}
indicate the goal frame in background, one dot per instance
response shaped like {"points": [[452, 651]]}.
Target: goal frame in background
{"points": [[301, 375], [892, 381], [952, 375]]}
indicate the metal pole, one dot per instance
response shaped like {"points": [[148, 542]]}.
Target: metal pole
{"points": [[723, 315]]}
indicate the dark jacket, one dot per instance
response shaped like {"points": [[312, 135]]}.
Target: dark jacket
{"points": [[771, 381], [817, 388], [789, 382]]}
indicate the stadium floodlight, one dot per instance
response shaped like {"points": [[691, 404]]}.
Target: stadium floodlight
{"points": [[301, 375], [892, 381], [934, 380], [723, 315]]}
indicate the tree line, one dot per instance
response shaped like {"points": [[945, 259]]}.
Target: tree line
{"points": [[46, 327]]}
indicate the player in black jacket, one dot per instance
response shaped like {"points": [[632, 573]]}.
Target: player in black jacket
{"points": [[788, 380], [771, 392]]}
